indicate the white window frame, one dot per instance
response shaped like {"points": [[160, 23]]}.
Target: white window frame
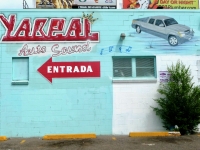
{"points": [[134, 78]]}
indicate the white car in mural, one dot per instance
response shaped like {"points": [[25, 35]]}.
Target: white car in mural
{"points": [[164, 27]]}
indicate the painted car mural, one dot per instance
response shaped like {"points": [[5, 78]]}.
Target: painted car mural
{"points": [[164, 27]]}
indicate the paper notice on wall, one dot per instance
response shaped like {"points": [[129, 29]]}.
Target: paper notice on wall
{"points": [[164, 76]]}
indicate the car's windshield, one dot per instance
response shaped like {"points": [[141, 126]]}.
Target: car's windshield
{"points": [[170, 21]]}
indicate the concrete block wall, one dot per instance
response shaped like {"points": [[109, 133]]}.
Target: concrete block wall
{"points": [[132, 102], [74, 105], [65, 106], [82, 105]]}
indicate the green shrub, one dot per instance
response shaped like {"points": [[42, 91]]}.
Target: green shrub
{"points": [[179, 103]]}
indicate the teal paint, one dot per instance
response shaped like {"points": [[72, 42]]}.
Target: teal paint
{"points": [[0, 84], [76, 105]]}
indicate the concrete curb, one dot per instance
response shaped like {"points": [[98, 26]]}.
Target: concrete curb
{"points": [[150, 134], [3, 138], [174, 134], [69, 136]]}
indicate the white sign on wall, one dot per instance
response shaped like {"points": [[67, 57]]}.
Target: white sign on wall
{"points": [[164, 76]]}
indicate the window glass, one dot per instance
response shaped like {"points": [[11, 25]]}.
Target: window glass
{"points": [[122, 67], [151, 21], [145, 67], [134, 67], [171, 21], [158, 22]]}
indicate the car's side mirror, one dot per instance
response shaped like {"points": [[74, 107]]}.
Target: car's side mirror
{"points": [[161, 25]]}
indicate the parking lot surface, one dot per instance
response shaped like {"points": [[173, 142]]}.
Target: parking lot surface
{"points": [[189, 142]]}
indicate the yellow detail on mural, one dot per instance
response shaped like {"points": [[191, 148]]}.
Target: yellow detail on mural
{"points": [[179, 4], [160, 4], [89, 17]]}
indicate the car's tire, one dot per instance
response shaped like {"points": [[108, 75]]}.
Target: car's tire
{"points": [[173, 41], [138, 30]]}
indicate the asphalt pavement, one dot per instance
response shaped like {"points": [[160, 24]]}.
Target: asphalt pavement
{"points": [[189, 142]]}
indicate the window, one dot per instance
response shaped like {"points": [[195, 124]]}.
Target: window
{"points": [[171, 21], [20, 70], [159, 22], [151, 21], [145, 67], [122, 67], [134, 67]]}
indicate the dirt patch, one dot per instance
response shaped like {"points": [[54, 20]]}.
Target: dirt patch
{"points": [[173, 140], [84, 142], [8, 147]]}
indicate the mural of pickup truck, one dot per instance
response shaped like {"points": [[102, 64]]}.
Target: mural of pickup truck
{"points": [[164, 27]]}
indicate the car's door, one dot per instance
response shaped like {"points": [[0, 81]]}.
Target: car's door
{"points": [[149, 28], [160, 29]]}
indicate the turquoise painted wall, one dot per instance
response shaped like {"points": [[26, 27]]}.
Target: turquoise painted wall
{"points": [[78, 105]]}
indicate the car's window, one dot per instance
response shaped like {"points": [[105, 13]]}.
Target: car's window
{"points": [[170, 21], [159, 22], [151, 21]]}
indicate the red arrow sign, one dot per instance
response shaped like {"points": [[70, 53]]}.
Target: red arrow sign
{"points": [[69, 69]]}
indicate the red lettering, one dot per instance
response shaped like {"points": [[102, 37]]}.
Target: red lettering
{"points": [[38, 32], [9, 25], [23, 30], [76, 31], [56, 25], [88, 34]]}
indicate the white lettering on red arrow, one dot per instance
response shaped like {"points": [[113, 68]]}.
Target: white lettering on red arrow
{"points": [[52, 70], [68, 69]]}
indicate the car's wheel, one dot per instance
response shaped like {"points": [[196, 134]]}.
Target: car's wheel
{"points": [[173, 41], [138, 30]]}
